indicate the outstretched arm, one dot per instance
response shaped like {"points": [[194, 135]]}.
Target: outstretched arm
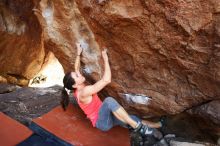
{"points": [[77, 62], [106, 79], [107, 72]]}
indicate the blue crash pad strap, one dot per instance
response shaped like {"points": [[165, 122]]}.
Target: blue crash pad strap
{"points": [[42, 137]]}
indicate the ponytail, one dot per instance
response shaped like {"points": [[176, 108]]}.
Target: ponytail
{"points": [[68, 82], [65, 99]]}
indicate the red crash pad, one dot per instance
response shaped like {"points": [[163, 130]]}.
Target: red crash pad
{"points": [[11, 131], [73, 127]]}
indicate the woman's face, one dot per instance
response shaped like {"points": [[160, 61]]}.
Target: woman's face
{"points": [[79, 79]]}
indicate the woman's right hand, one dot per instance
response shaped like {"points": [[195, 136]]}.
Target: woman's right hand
{"points": [[104, 54]]}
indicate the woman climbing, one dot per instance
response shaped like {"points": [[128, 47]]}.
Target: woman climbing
{"points": [[103, 115]]}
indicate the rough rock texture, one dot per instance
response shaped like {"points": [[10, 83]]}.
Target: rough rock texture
{"points": [[21, 49], [178, 143], [191, 128], [209, 110], [168, 51], [24, 104]]}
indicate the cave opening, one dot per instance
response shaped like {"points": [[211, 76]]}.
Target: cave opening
{"points": [[51, 73]]}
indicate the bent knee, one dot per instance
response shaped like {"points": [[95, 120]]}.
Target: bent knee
{"points": [[104, 128], [110, 100], [112, 104]]}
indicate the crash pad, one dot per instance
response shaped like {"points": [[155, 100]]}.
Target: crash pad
{"points": [[73, 127], [11, 131]]}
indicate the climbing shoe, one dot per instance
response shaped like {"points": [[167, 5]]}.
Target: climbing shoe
{"points": [[143, 129]]}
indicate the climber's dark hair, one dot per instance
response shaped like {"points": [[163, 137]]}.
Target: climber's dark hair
{"points": [[68, 82]]}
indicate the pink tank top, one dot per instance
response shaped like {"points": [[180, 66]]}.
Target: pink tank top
{"points": [[91, 109]]}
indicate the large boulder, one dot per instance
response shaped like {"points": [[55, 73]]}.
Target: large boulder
{"points": [[21, 48], [164, 55]]}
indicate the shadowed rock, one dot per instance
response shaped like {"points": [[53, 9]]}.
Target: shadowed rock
{"points": [[24, 104]]}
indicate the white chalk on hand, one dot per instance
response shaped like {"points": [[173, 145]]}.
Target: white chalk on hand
{"points": [[83, 44]]}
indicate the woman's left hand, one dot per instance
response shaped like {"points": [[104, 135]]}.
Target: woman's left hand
{"points": [[79, 48]]}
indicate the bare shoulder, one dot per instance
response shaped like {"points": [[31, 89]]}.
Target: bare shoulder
{"points": [[93, 89], [85, 92], [83, 96]]}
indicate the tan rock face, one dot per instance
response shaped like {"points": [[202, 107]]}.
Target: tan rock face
{"points": [[166, 51], [21, 50], [63, 26]]}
